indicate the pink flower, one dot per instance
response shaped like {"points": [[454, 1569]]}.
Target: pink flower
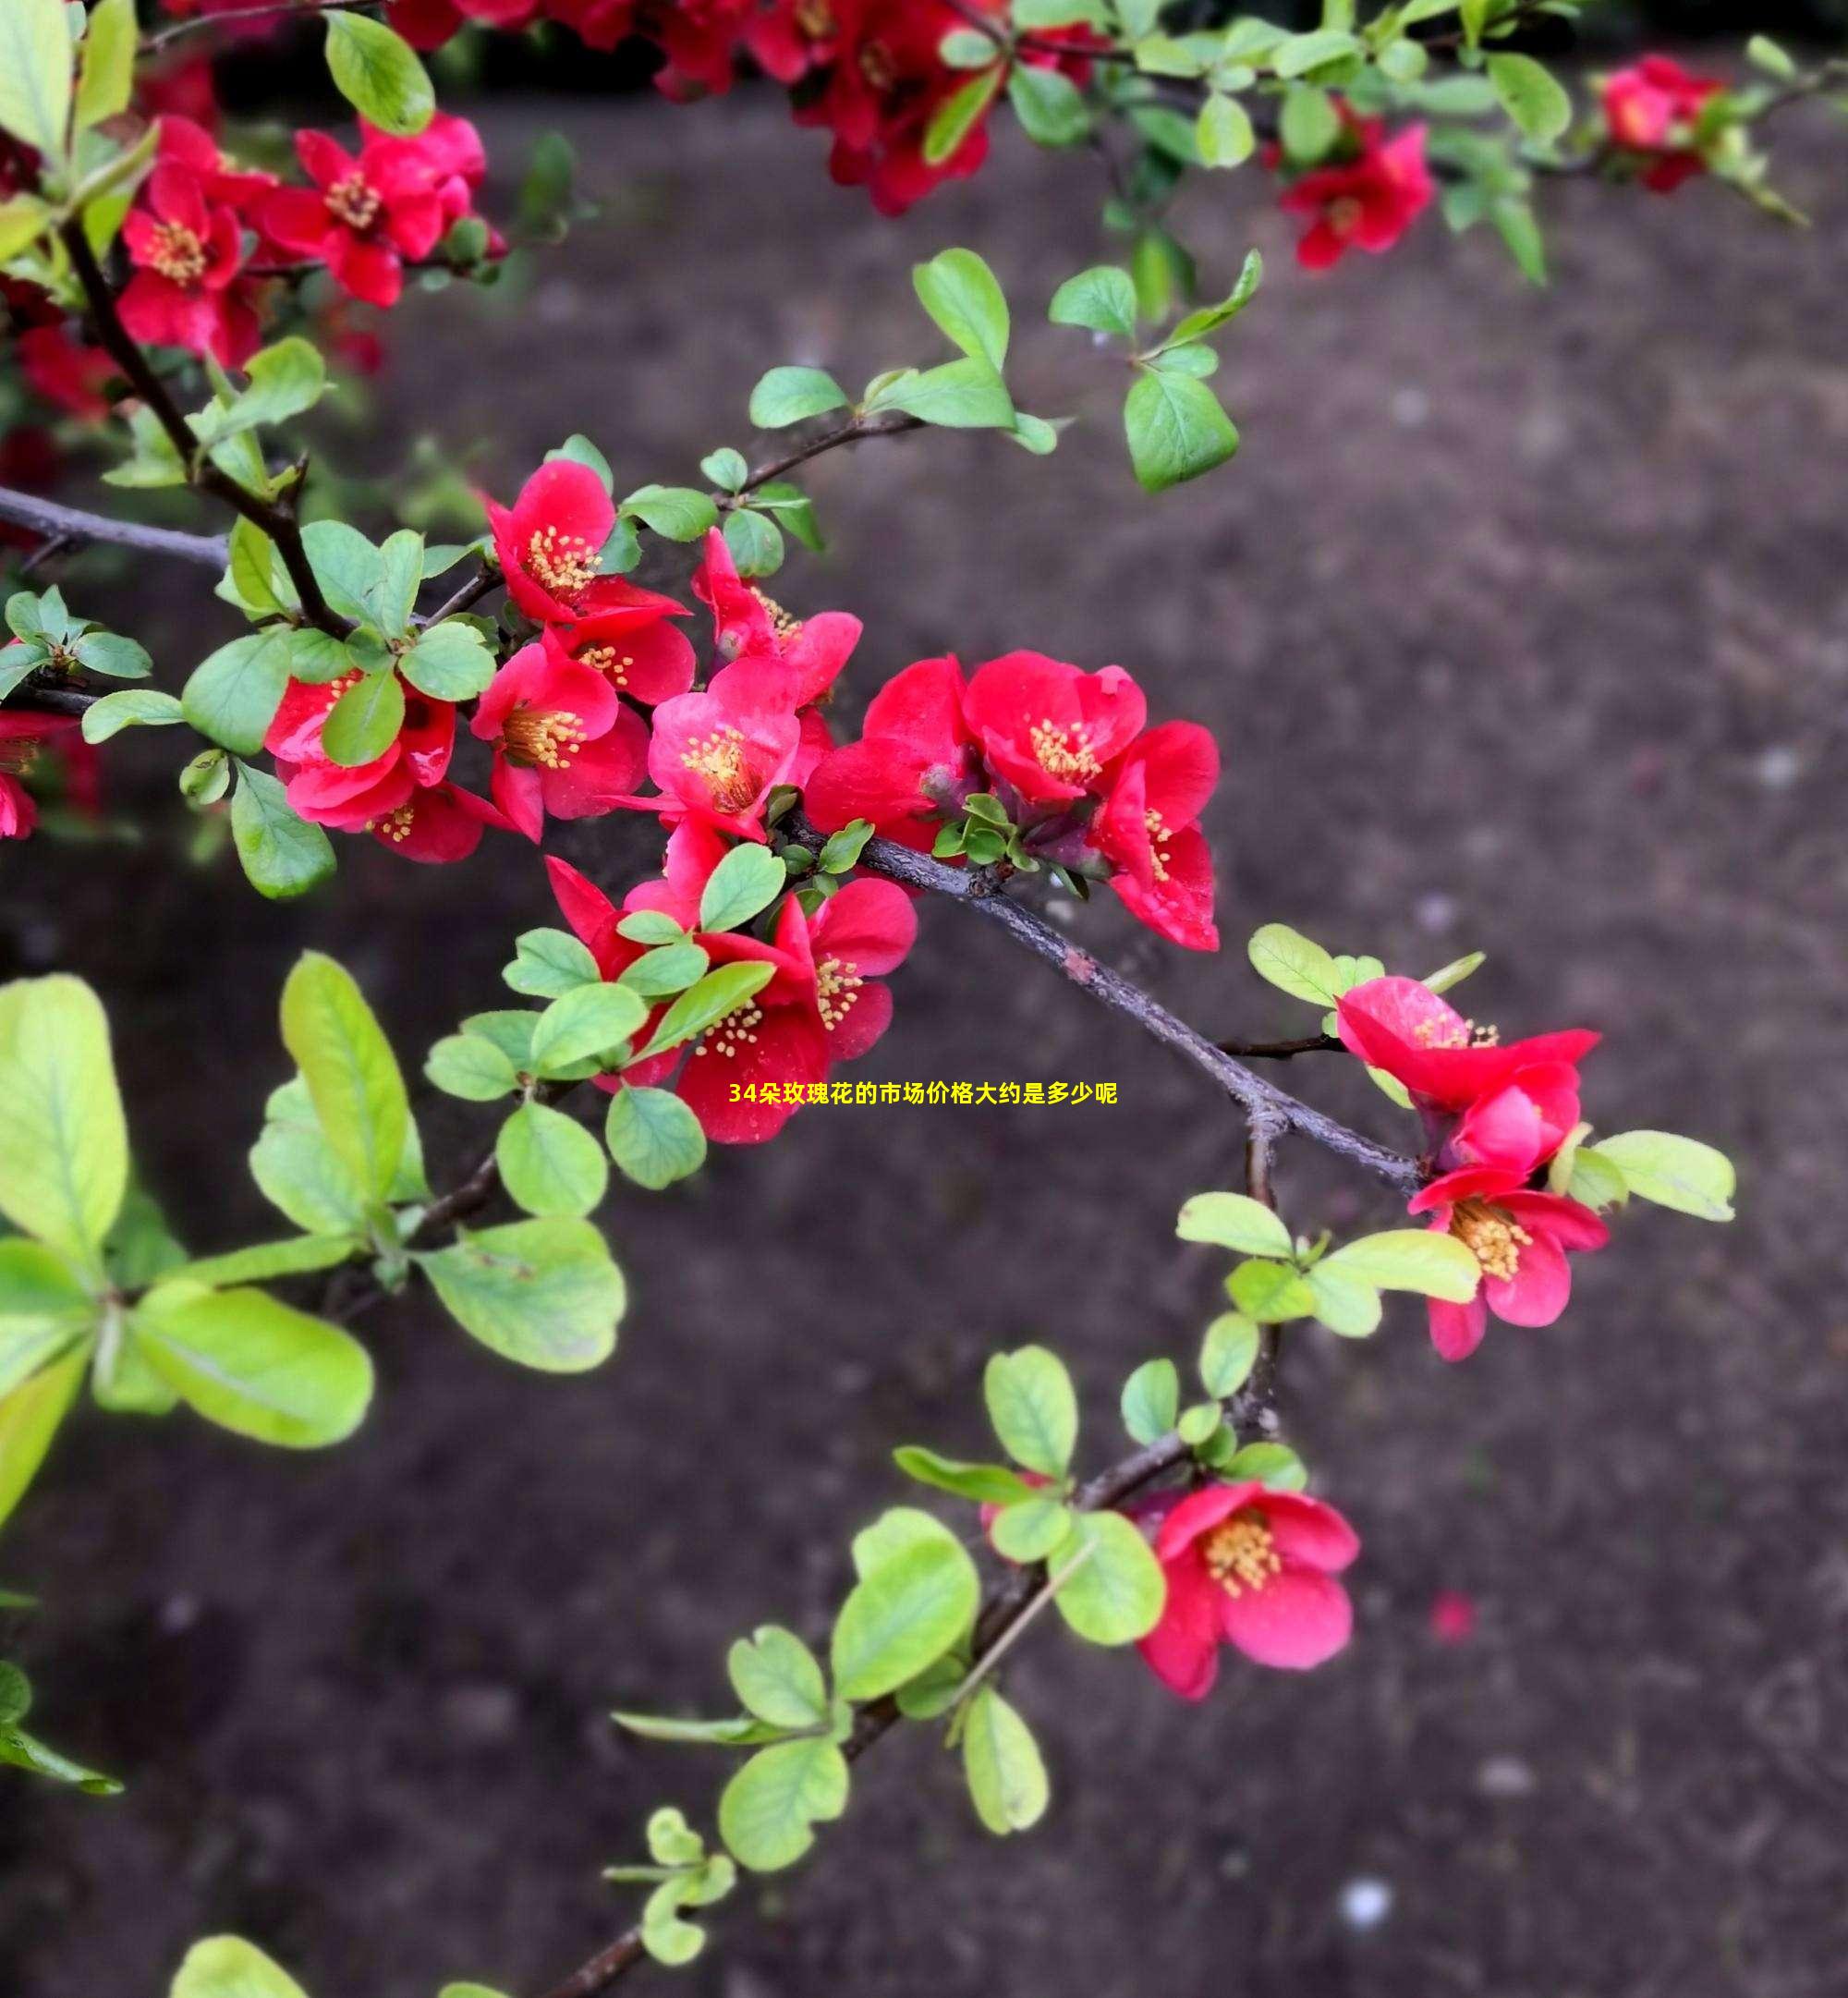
{"points": [[1519, 1240], [551, 541], [1453, 1616], [748, 626], [1250, 1567], [1148, 830], [628, 638], [717, 756], [913, 766], [436, 824], [1368, 203], [21, 738], [564, 743], [1049, 729], [1653, 109], [64, 371]]}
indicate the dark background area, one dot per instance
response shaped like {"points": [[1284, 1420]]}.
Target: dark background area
{"points": [[1523, 622]]}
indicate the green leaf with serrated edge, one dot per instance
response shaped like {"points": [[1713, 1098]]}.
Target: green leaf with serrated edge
{"points": [[345, 565], [134, 707], [264, 1261], [364, 722], [285, 381], [111, 655], [739, 1733], [1030, 1529], [957, 116], [1234, 1221], [982, 1484], [549, 963], [1425, 1260], [1116, 1594], [1210, 317], [1103, 299], [1673, 1172], [726, 469], [746, 880], [1228, 1352], [1000, 1759], [30, 1417], [1272, 1464], [778, 1678], [232, 695], [961, 394], [908, 1610], [721, 992], [450, 662], [394, 597], [471, 1067], [254, 1366], [35, 73], [786, 396], [767, 1810], [1050, 106], [754, 541], [227, 1966], [550, 1164], [1293, 965], [677, 513], [349, 1069], [1176, 428], [508, 1029], [250, 574], [378, 73], [1345, 1303], [587, 1022], [1270, 1292], [1034, 1410], [542, 1293], [650, 926], [1531, 95], [668, 969], [1151, 1397], [64, 1146], [793, 511], [653, 1137], [841, 851]]}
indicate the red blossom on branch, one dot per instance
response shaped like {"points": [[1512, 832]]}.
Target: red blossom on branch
{"points": [[550, 542], [914, 765], [1367, 202], [22, 737], [1653, 109], [1148, 830], [564, 742]]}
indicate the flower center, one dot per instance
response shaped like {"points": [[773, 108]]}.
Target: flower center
{"points": [[1491, 1235], [18, 755], [532, 736], [1064, 753], [564, 564], [1465, 1034], [1343, 214], [731, 1035], [396, 825], [606, 659], [721, 759], [876, 66], [177, 254], [787, 628], [815, 19], [1159, 836], [1242, 1553], [354, 202], [837, 989]]}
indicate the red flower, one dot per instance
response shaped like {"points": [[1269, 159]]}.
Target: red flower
{"points": [[913, 765], [64, 371], [1519, 1239], [1653, 109], [717, 756], [437, 824], [1368, 203], [21, 738], [1148, 830], [564, 743], [1453, 1616], [748, 626], [550, 541], [628, 638], [1253, 1568], [1049, 729]]}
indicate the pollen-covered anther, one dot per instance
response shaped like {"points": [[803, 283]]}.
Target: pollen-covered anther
{"points": [[550, 741], [19, 754], [177, 253], [1159, 836], [564, 564], [815, 19], [1344, 215], [354, 202], [396, 825], [736, 1032], [787, 628], [606, 659], [1064, 753], [837, 989], [1242, 1553], [1492, 1236], [1465, 1034], [876, 66], [721, 759]]}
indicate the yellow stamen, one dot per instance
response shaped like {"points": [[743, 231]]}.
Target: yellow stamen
{"points": [[1159, 836], [606, 659], [1242, 1553], [1065, 754], [731, 1035], [787, 628], [531, 735], [722, 760], [354, 202], [564, 564], [837, 989], [396, 825], [876, 66], [1465, 1034], [1491, 1235], [177, 254], [1343, 214]]}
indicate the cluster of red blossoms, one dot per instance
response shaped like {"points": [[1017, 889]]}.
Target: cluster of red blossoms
{"points": [[1652, 112], [1365, 197]]}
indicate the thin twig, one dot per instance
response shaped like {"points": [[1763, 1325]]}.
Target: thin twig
{"points": [[70, 524], [471, 592], [1280, 1051], [857, 431], [152, 44]]}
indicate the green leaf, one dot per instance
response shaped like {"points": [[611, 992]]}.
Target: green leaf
{"points": [[1420, 1260], [1272, 1464], [1673, 1172], [1775, 60], [1210, 317], [1309, 125], [378, 73], [755, 542], [909, 1608], [786, 396], [262, 1262], [721, 992], [250, 575], [961, 394], [1594, 1181], [1531, 95], [1454, 972], [584, 1023], [227, 1967], [351, 1073], [1295, 965], [550, 1164], [981, 1484], [111, 655], [1345, 1302], [1270, 1292], [286, 380], [1519, 228], [746, 880], [25, 1752], [346, 564], [676, 512], [233, 695], [1051, 107], [1177, 429], [1228, 1352], [1151, 1399], [471, 1067], [1102, 299], [542, 1293], [133, 707], [450, 662], [841, 851], [738, 1732], [767, 1809], [1031, 1528], [364, 722], [282, 854], [1234, 1221], [778, 1678], [959, 292], [726, 469], [64, 1147], [1223, 132], [299, 1172], [29, 1419], [1300, 55], [1001, 1758], [653, 1137], [254, 1366], [1115, 1595], [650, 926], [549, 963], [1033, 1409], [35, 73], [23, 220], [957, 116]]}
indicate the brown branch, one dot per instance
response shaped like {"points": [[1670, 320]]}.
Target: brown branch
{"points": [[310, 10], [70, 524], [1280, 1050], [855, 431]]}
